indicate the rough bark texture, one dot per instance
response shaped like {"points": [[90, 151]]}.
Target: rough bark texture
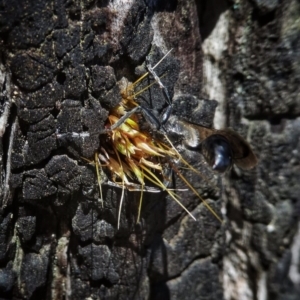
{"points": [[61, 66]]}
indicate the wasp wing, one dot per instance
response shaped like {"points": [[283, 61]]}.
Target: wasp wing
{"points": [[243, 156]]}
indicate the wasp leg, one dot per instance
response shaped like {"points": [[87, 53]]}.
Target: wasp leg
{"points": [[166, 115], [148, 115]]}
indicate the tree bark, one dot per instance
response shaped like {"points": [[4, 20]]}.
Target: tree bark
{"points": [[61, 70]]}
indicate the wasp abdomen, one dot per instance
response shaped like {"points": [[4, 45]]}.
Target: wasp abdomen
{"points": [[217, 152]]}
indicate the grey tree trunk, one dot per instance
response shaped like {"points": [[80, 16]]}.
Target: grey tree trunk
{"points": [[61, 68]]}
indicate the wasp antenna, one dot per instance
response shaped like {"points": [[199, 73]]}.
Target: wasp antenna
{"points": [[146, 88], [147, 73], [163, 58]]}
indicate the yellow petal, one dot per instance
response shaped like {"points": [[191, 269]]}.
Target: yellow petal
{"points": [[145, 147], [132, 124], [150, 164], [136, 170]]}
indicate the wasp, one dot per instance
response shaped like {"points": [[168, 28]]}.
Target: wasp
{"points": [[132, 154]]}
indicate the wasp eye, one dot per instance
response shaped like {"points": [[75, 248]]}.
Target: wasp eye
{"points": [[217, 152]]}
